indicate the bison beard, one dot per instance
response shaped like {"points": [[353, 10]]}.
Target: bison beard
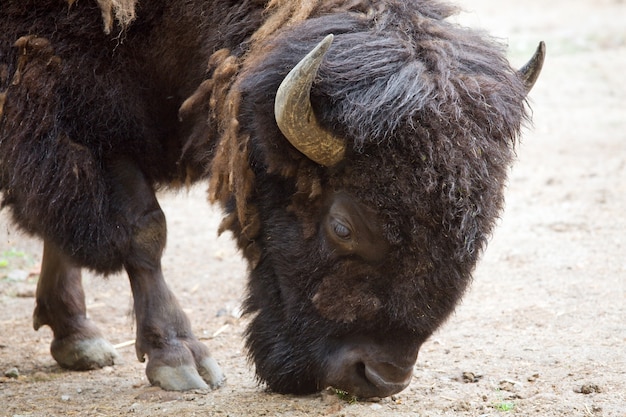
{"points": [[346, 253]]}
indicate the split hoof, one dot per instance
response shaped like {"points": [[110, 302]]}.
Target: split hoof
{"points": [[211, 372], [184, 368], [206, 374]]}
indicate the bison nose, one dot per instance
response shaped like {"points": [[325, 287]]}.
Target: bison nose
{"points": [[386, 378], [365, 375]]}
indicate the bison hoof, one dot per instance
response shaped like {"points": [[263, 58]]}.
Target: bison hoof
{"points": [[183, 367], [83, 354], [186, 377]]}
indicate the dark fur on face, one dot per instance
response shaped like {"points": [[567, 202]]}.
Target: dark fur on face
{"points": [[430, 112]]}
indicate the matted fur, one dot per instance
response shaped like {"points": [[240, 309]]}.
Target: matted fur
{"points": [[94, 103], [121, 10]]}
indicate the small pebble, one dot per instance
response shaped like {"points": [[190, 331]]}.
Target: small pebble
{"points": [[588, 389], [27, 293], [12, 373], [507, 385], [470, 377], [65, 397]]}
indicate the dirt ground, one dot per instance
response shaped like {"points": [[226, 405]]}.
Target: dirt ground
{"points": [[542, 332]]}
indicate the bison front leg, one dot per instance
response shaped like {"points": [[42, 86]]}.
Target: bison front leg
{"points": [[177, 360], [77, 343]]}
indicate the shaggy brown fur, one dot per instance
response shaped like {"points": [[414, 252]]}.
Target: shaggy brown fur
{"points": [[230, 171], [135, 89]]}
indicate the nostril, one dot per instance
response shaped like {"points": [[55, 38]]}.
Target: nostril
{"points": [[360, 369]]}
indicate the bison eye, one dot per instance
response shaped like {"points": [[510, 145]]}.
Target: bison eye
{"points": [[341, 231]]}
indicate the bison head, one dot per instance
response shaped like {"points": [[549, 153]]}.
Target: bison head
{"points": [[371, 184]]}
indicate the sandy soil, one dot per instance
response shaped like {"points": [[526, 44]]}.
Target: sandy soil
{"points": [[542, 331]]}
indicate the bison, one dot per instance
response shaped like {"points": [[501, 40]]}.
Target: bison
{"points": [[358, 148]]}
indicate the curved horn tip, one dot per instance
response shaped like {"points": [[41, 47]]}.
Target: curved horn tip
{"points": [[312, 61], [294, 113], [326, 42], [530, 72]]}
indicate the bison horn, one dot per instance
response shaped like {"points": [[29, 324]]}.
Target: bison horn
{"points": [[294, 113], [530, 72]]}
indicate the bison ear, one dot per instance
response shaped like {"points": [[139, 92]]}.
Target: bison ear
{"points": [[530, 72], [294, 113]]}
